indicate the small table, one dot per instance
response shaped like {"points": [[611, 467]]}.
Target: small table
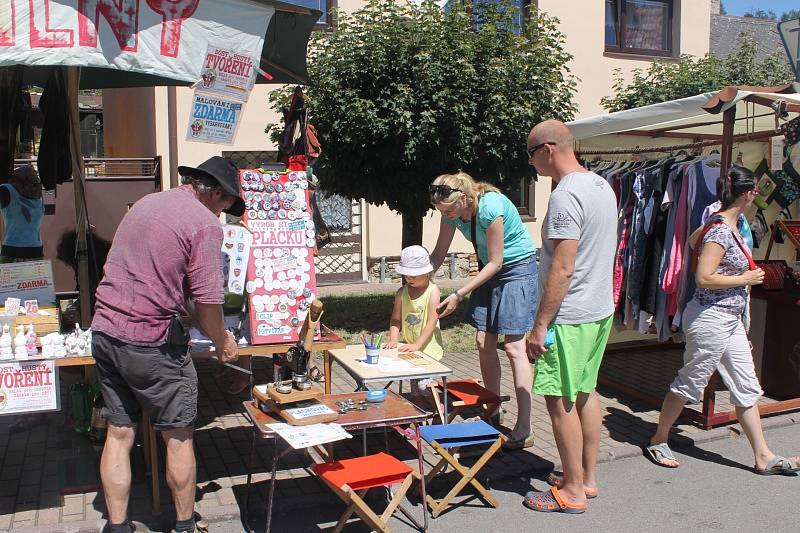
{"points": [[393, 412], [391, 366]]}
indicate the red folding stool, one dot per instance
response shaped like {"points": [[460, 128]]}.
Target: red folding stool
{"points": [[350, 479], [465, 394]]}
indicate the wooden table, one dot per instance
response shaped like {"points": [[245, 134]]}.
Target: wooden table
{"points": [[393, 412], [390, 367]]}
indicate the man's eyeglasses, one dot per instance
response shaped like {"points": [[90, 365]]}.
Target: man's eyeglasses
{"points": [[442, 191], [532, 150]]}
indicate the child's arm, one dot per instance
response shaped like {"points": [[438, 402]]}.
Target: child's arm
{"points": [[430, 325], [394, 322]]}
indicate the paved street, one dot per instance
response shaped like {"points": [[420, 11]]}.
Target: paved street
{"points": [[713, 490]]}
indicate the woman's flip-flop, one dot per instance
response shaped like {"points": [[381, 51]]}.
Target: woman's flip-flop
{"points": [[659, 453], [556, 479], [780, 466], [552, 502]]}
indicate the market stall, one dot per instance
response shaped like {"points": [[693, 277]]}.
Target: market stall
{"points": [[697, 139]]}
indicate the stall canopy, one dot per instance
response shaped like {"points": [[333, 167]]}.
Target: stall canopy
{"points": [[134, 43], [694, 117]]}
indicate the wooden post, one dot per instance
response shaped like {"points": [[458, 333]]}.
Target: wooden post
{"points": [[726, 157], [81, 215]]}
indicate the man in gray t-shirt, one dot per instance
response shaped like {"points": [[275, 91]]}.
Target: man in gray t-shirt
{"points": [[576, 277]]}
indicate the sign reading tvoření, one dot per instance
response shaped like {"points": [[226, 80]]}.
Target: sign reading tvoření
{"points": [[28, 386], [228, 74]]}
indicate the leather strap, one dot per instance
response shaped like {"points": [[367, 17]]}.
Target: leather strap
{"points": [[696, 251], [473, 234]]}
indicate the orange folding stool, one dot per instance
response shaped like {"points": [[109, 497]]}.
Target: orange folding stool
{"points": [[465, 394], [350, 479]]}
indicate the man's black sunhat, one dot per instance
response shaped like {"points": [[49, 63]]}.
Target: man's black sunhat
{"points": [[223, 172]]}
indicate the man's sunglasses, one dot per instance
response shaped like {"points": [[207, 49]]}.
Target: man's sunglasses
{"points": [[532, 150], [442, 191]]}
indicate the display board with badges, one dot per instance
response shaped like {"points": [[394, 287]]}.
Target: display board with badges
{"points": [[281, 282]]}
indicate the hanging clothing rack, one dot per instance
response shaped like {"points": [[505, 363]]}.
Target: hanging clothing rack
{"points": [[675, 147]]}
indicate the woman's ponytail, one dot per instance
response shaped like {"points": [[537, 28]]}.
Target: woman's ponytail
{"points": [[737, 182]]}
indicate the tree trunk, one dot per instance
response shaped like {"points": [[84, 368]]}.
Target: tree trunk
{"points": [[412, 229]]}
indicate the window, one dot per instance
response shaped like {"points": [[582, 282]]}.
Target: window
{"points": [[521, 196], [322, 5], [639, 27]]}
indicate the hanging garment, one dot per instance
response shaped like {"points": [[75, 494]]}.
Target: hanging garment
{"points": [[760, 228], [54, 161], [10, 85]]}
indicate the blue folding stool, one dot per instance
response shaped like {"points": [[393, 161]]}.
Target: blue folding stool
{"points": [[446, 440]]}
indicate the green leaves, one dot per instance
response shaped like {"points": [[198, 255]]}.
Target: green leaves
{"points": [[670, 80], [402, 93]]}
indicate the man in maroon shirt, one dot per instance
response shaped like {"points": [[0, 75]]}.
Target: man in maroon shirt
{"points": [[165, 258]]}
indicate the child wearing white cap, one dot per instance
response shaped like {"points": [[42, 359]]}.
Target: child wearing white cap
{"points": [[414, 326]]}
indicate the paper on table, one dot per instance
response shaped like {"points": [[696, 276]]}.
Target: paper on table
{"points": [[312, 435], [388, 364]]}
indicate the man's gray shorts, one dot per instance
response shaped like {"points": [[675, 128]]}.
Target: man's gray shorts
{"points": [[152, 379]]}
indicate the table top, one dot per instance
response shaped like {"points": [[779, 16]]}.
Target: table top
{"points": [[391, 364], [327, 341], [393, 411]]}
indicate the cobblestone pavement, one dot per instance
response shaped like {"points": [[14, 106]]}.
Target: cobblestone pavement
{"points": [[49, 481]]}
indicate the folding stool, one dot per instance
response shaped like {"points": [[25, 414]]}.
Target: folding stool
{"points": [[466, 393], [350, 479], [446, 440]]}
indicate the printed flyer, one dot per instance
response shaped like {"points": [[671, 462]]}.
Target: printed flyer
{"points": [[281, 282], [213, 119], [227, 74], [28, 386], [29, 280]]}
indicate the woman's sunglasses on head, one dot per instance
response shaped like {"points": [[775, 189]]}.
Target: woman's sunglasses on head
{"points": [[442, 191]]}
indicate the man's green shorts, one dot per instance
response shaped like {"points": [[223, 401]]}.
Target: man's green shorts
{"points": [[572, 363]]}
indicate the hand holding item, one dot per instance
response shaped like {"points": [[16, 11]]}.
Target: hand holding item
{"points": [[753, 277], [535, 343], [230, 350], [449, 304]]}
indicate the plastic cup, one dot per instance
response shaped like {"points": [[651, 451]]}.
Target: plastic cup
{"points": [[372, 355]]}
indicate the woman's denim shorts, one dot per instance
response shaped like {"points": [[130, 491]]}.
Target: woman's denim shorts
{"points": [[507, 303]]}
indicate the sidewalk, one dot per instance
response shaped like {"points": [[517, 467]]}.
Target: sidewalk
{"points": [[38, 464]]}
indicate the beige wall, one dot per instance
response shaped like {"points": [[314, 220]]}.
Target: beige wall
{"points": [[583, 23], [128, 121]]}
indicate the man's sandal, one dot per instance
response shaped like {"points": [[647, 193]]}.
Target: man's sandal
{"points": [[556, 479], [780, 466], [659, 453], [552, 502]]}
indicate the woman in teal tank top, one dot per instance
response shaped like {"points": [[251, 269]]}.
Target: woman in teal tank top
{"points": [[505, 290]]}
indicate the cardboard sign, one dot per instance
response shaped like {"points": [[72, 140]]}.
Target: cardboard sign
{"points": [[227, 74], [236, 254], [28, 386], [31, 280], [213, 120], [169, 38], [281, 283]]}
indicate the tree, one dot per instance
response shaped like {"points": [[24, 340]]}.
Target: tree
{"points": [[670, 80], [792, 14], [761, 14], [722, 10], [401, 93]]}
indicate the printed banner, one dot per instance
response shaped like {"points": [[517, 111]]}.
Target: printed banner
{"points": [[28, 386], [31, 280], [168, 38], [227, 74], [213, 120], [281, 282], [236, 253]]}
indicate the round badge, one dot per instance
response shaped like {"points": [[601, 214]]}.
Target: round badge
{"points": [[250, 287], [291, 215], [252, 214], [283, 299], [310, 243], [247, 204], [291, 294], [262, 215], [259, 307], [281, 276], [292, 303], [269, 307], [258, 283], [268, 285], [278, 252], [274, 176], [248, 195], [275, 205], [310, 233], [295, 322], [273, 215], [273, 299], [259, 272], [237, 287], [306, 267], [304, 185], [292, 176], [278, 187], [305, 278], [303, 252], [258, 252], [303, 305], [283, 308], [306, 215], [307, 292], [268, 187], [267, 252]]}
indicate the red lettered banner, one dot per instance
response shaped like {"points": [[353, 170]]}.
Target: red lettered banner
{"points": [[28, 386], [281, 282], [168, 38]]}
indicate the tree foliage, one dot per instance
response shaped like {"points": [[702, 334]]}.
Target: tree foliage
{"points": [[401, 93], [670, 80], [761, 14], [792, 14]]}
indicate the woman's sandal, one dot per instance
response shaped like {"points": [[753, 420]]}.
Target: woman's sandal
{"points": [[556, 479], [780, 466], [552, 502], [659, 453]]}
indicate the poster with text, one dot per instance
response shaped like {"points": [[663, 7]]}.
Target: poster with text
{"points": [[28, 386], [227, 74], [29, 280], [281, 282], [213, 120]]}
